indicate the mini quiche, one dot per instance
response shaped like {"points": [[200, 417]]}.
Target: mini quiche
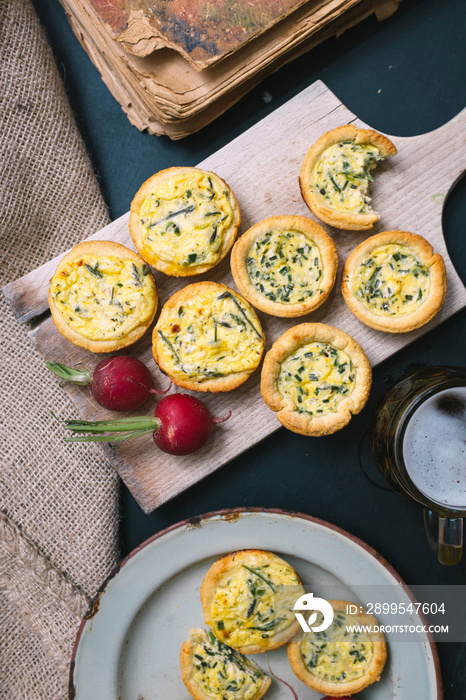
{"points": [[335, 176], [208, 338], [183, 221], [248, 599], [394, 282], [315, 377], [285, 265], [102, 296], [212, 670], [338, 661]]}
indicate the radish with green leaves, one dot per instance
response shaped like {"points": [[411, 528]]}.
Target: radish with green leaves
{"points": [[181, 425], [119, 383]]}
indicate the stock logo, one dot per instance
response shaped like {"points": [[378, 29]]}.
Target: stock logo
{"points": [[307, 603]]}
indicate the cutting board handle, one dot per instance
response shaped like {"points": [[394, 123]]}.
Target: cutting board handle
{"points": [[440, 154], [457, 122]]}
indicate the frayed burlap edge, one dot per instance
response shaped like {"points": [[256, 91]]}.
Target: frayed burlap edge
{"points": [[48, 602]]}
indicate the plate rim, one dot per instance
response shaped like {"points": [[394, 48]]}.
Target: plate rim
{"points": [[195, 521]]}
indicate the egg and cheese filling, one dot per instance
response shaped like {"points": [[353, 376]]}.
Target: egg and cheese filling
{"points": [[285, 266], [210, 335], [183, 220], [391, 281], [103, 297], [340, 178], [223, 673], [337, 654], [254, 602], [315, 378]]}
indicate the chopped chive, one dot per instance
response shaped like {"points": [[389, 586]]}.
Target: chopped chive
{"points": [[171, 227], [259, 575], [170, 347], [93, 270], [269, 625], [214, 234], [334, 183], [240, 308], [135, 273], [186, 210]]}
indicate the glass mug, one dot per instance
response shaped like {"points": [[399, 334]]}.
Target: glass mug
{"points": [[418, 440]]}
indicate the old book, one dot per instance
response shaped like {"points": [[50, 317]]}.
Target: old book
{"points": [[163, 93]]}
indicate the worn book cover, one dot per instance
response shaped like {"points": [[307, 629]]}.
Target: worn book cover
{"points": [[203, 31]]}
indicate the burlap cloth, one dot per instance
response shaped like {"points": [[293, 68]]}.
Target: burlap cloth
{"points": [[58, 506]]}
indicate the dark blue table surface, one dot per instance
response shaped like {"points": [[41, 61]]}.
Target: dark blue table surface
{"points": [[404, 76]]}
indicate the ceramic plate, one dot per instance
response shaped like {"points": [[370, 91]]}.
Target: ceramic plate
{"points": [[128, 645]]}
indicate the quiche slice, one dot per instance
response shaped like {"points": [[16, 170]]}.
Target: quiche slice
{"points": [[212, 670], [183, 221], [248, 599], [208, 338], [340, 661], [102, 296], [315, 377], [285, 265], [336, 172], [394, 282]]}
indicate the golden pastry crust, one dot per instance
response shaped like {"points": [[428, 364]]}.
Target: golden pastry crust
{"points": [[248, 598], [315, 377], [365, 672], [201, 653], [208, 338], [294, 282], [347, 180], [184, 220], [394, 282], [102, 296]]}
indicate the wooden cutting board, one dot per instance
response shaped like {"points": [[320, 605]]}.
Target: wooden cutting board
{"points": [[262, 167]]}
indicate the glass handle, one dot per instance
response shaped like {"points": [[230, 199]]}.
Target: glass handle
{"points": [[445, 537]]}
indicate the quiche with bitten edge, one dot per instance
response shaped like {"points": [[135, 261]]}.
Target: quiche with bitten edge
{"points": [[335, 176], [248, 599], [285, 265], [183, 221], [212, 670], [208, 338], [102, 296], [315, 377], [339, 661], [394, 282]]}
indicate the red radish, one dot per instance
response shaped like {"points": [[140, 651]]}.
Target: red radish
{"points": [[119, 383], [185, 424], [182, 425]]}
